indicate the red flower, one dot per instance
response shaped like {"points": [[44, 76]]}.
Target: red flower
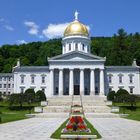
{"points": [[69, 126]]}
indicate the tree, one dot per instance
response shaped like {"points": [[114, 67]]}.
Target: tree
{"points": [[29, 95], [111, 96], [40, 96]]}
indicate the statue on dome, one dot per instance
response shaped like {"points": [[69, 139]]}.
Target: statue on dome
{"points": [[76, 15]]}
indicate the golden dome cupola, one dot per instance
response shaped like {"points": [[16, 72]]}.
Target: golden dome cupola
{"points": [[76, 28], [76, 37]]}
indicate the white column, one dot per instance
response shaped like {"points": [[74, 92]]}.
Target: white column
{"points": [[60, 82], [92, 82], [101, 82], [71, 82], [51, 82], [82, 81]]}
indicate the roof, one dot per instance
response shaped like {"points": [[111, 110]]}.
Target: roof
{"points": [[122, 68], [31, 69], [90, 56], [6, 74]]}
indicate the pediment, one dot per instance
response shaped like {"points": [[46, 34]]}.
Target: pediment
{"points": [[77, 55]]}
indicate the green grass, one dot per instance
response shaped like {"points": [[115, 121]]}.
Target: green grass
{"points": [[57, 133], [133, 114], [13, 113]]}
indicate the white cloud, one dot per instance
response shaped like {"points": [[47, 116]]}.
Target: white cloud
{"points": [[33, 27], [54, 30], [21, 42], [9, 28]]}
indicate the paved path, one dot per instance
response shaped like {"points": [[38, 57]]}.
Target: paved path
{"points": [[42, 128], [30, 129], [117, 128]]}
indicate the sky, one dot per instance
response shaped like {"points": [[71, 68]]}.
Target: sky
{"points": [[24, 21]]}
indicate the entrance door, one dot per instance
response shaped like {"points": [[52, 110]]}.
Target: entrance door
{"points": [[76, 90]]}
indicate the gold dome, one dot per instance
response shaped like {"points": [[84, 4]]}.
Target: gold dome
{"points": [[76, 28]]}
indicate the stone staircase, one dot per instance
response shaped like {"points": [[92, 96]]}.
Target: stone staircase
{"points": [[93, 106]]}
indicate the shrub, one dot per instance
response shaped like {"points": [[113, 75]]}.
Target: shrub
{"points": [[111, 96], [122, 95], [40, 96], [29, 95]]}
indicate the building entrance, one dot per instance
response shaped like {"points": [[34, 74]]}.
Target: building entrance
{"points": [[76, 90]]}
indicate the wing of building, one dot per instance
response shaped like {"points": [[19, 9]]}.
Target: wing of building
{"points": [[76, 71]]}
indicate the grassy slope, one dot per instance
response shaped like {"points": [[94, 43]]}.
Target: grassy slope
{"points": [[125, 108], [57, 133], [8, 115]]}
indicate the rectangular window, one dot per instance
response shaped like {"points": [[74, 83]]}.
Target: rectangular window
{"points": [[4, 78], [69, 46], [43, 89], [131, 78], [110, 79], [83, 47], [120, 79], [8, 93], [43, 79], [9, 85], [110, 89], [21, 90], [32, 79], [22, 79], [0, 78], [0, 85], [4, 85], [131, 90], [9, 78], [76, 46]]}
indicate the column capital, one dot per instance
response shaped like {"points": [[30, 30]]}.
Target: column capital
{"points": [[61, 69], [92, 69], [81, 69], [71, 69], [101, 69], [51, 69]]}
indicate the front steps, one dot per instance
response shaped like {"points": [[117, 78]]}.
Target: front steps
{"points": [[91, 104]]}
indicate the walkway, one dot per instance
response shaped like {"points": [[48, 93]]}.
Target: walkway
{"points": [[30, 129], [117, 128], [42, 128]]}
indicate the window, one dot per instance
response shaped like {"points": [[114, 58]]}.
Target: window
{"points": [[110, 89], [131, 90], [69, 46], [22, 90], [43, 79], [0, 85], [9, 78], [22, 79], [83, 47], [4, 85], [76, 46], [110, 78], [32, 79], [43, 89], [131, 78], [0, 78], [4, 78], [9, 85], [56, 90], [8, 93], [120, 78]]}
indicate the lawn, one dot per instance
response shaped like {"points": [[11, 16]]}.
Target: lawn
{"points": [[13, 113], [57, 133], [125, 108]]}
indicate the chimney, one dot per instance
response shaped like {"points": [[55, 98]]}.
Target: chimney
{"points": [[18, 63], [134, 63]]}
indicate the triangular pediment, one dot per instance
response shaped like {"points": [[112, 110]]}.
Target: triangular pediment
{"points": [[77, 55]]}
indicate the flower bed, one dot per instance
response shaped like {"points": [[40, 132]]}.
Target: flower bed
{"points": [[76, 124]]}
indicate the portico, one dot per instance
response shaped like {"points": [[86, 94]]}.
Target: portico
{"points": [[75, 83]]}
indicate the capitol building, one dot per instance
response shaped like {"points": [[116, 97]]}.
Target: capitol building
{"points": [[75, 72]]}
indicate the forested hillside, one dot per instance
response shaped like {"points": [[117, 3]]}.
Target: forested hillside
{"points": [[120, 49]]}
